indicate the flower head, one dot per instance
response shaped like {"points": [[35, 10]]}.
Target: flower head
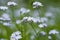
{"points": [[42, 25], [24, 10], [6, 16], [49, 37], [16, 35], [3, 7], [37, 4], [7, 24], [36, 20], [31, 19], [11, 3], [53, 32], [44, 19], [1, 18]]}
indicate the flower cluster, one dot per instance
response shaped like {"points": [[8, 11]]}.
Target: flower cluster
{"points": [[3, 7], [7, 23], [49, 37], [11, 3], [31, 19], [24, 10], [16, 35], [53, 32], [37, 4], [43, 21], [6, 16], [42, 25]]}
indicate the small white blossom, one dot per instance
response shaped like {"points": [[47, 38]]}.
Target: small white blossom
{"points": [[44, 19], [36, 20], [16, 35], [53, 32], [49, 37], [7, 24], [3, 8], [31, 19], [24, 10], [25, 18], [6, 16], [1, 18], [11, 3], [37, 4], [18, 21], [43, 33], [42, 25]]}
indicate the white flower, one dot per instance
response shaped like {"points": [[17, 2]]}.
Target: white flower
{"points": [[11, 3], [31, 19], [49, 37], [3, 7], [42, 25], [25, 18], [43, 33], [18, 21], [53, 32], [7, 24], [24, 10], [37, 4], [1, 18], [44, 19], [36, 20], [16, 35], [6, 16]]}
